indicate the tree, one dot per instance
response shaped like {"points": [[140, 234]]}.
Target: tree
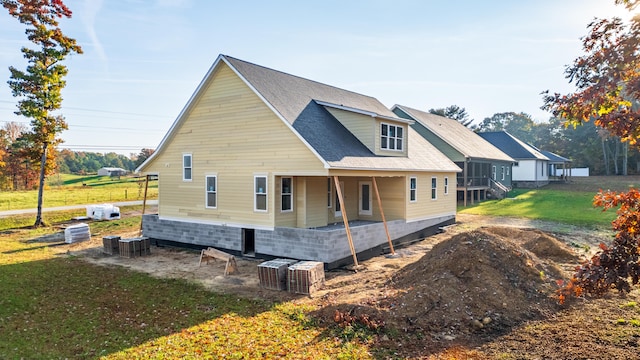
{"points": [[454, 112], [144, 155], [607, 80], [39, 87], [516, 124]]}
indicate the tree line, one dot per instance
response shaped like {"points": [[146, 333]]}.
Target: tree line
{"points": [[586, 144], [19, 171]]}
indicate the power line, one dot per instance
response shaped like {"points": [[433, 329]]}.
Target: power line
{"points": [[101, 111]]}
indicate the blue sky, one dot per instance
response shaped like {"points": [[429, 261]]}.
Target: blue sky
{"points": [[144, 58]]}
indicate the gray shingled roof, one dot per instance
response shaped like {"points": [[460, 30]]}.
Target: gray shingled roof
{"points": [[461, 138], [554, 158], [512, 146], [294, 98]]}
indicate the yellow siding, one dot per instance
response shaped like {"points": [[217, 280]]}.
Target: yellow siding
{"points": [[425, 207], [316, 202], [361, 126], [231, 132]]}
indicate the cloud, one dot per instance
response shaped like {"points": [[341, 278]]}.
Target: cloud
{"points": [[88, 16]]}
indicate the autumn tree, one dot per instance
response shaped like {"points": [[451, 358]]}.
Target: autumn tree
{"points": [[143, 156], [39, 87], [454, 112], [607, 81]]}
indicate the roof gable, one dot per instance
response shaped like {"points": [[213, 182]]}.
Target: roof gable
{"points": [[296, 101], [458, 136], [512, 146]]}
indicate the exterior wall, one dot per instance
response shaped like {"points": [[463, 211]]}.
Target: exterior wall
{"points": [[323, 245], [360, 125], [528, 174], [231, 133], [425, 207], [508, 172]]}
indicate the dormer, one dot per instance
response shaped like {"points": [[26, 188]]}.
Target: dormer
{"points": [[383, 135]]}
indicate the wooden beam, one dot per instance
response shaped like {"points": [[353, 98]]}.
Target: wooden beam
{"points": [[346, 221], [464, 178], [384, 221], [144, 200]]}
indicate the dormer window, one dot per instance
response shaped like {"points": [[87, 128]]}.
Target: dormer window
{"points": [[391, 137]]}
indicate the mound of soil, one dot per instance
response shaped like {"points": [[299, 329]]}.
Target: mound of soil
{"points": [[484, 281]]}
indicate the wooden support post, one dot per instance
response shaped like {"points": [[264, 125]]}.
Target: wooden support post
{"points": [[346, 221], [464, 177], [384, 221], [144, 200]]}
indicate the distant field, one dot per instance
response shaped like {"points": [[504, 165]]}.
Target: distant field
{"points": [[65, 189], [595, 183]]}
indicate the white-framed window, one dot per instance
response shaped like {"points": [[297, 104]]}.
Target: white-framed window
{"points": [[391, 137], [329, 192], [434, 188], [260, 189], [187, 167], [508, 170], [446, 186], [502, 171], [364, 199], [413, 189], [211, 183], [286, 193], [542, 169], [493, 172]]}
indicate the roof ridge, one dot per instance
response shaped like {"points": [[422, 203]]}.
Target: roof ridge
{"points": [[297, 76]]}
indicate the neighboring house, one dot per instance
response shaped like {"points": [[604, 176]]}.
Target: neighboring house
{"points": [[485, 169], [255, 163], [559, 166], [111, 171], [531, 169]]}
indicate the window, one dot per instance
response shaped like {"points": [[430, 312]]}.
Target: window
{"points": [[260, 193], [391, 137], [502, 171], [364, 199], [329, 192], [446, 186], [212, 191], [542, 169], [434, 188], [186, 167], [287, 194], [507, 170], [493, 172], [413, 187]]}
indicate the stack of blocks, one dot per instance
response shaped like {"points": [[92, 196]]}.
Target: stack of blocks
{"points": [[111, 245], [303, 277], [273, 273], [135, 247]]}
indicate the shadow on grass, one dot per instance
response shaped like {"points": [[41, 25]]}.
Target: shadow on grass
{"points": [[72, 309]]}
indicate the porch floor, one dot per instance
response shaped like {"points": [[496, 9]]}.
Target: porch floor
{"points": [[340, 225]]}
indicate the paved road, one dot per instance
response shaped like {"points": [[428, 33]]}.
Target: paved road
{"points": [[70, 207]]}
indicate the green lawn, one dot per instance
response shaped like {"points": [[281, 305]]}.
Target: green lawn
{"points": [[67, 189], [56, 306], [570, 207]]}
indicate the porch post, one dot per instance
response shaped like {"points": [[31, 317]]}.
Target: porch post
{"points": [[144, 200], [464, 177], [384, 221], [345, 221]]}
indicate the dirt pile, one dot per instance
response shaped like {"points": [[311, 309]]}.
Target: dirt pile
{"points": [[480, 281]]}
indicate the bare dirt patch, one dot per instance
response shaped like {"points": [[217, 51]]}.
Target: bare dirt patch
{"points": [[482, 289]]}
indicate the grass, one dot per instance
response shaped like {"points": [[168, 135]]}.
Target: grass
{"points": [[570, 207], [55, 305], [67, 189]]}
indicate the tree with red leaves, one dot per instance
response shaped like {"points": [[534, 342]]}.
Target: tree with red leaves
{"points": [[39, 87], [607, 79]]}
